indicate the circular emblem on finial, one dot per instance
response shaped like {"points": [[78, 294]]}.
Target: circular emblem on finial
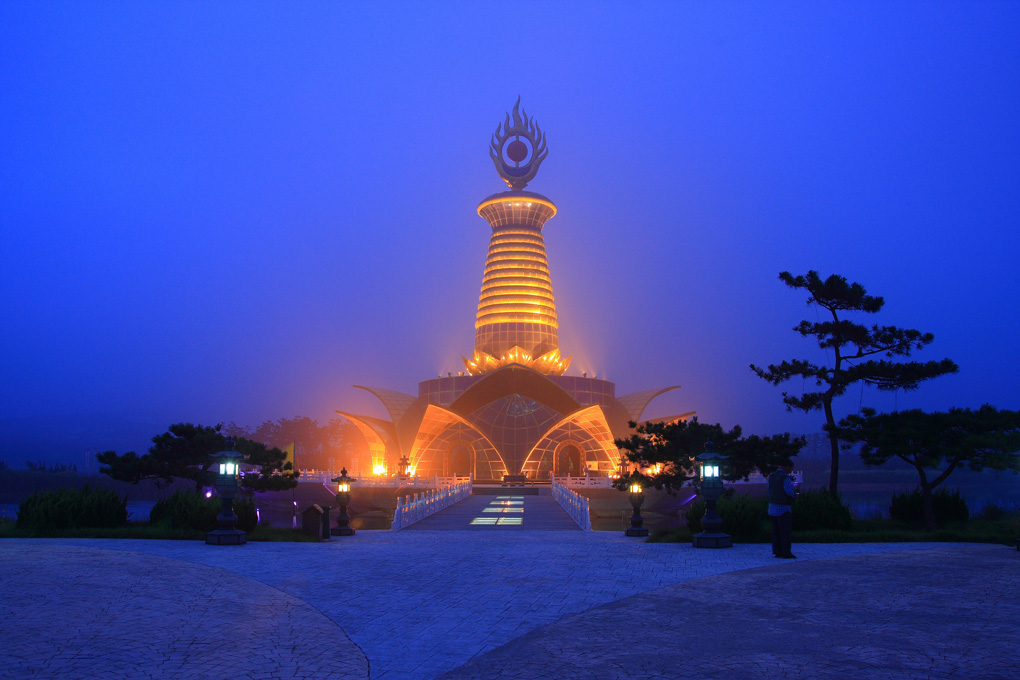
{"points": [[518, 148]]}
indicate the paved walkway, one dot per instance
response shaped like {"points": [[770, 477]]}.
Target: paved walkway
{"points": [[503, 512], [420, 604], [72, 612], [939, 614]]}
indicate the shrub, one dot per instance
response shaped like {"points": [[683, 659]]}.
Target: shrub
{"points": [[189, 510], [186, 510], [909, 507], [819, 509], [692, 517], [743, 517], [1011, 526], [72, 508], [244, 508], [746, 518], [992, 512]]}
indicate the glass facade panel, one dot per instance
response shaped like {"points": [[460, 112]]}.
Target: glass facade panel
{"points": [[514, 423], [586, 430], [587, 390], [442, 432], [637, 402], [499, 338], [380, 443], [443, 391], [396, 403]]}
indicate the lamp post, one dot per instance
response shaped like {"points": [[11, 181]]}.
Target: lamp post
{"points": [[403, 464], [637, 497], [226, 485], [711, 487], [343, 498]]}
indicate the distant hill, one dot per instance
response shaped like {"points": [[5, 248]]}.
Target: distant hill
{"points": [[66, 438]]}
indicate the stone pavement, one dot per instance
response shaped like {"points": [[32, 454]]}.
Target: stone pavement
{"points": [[71, 612], [940, 613], [419, 604]]}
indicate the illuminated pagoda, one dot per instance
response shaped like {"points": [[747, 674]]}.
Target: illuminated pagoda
{"points": [[512, 410]]}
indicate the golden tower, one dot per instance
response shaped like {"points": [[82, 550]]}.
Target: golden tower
{"points": [[513, 411], [516, 322]]}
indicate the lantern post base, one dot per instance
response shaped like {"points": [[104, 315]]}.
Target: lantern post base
{"points": [[636, 531], [712, 539], [226, 537], [343, 520]]}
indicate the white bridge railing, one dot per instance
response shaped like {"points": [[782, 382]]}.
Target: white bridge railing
{"points": [[410, 510], [574, 503], [432, 481], [591, 482], [584, 482]]}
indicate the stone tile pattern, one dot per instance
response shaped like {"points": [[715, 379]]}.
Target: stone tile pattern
{"points": [[73, 612], [940, 613], [421, 603]]}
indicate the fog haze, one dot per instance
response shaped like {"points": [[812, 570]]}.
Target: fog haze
{"points": [[235, 212]]}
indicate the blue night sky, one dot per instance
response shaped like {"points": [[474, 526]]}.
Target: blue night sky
{"points": [[236, 211]]}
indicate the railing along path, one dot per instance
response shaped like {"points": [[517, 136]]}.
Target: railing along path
{"points": [[410, 510], [594, 482], [584, 482], [574, 503], [431, 481], [436, 481]]}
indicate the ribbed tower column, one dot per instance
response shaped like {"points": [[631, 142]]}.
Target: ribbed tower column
{"points": [[516, 320]]}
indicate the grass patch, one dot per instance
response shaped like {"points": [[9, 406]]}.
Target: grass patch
{"points": [[69, 509], [678, 535], [1004, 531], [100, 513], [150, 531], [131, 530]]}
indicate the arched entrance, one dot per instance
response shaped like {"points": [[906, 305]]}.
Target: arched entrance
{"points": [[460, 460], [569, 461]]}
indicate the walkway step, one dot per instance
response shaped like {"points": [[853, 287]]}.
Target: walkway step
{"points": [[504, 512], [508, 490]]}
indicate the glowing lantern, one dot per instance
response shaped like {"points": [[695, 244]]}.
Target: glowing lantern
{"points": [[710, 488], [226, 486], [343, 499], [637, 497]]}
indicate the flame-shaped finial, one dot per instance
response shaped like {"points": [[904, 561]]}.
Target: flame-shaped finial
{"points": [[518, 149]]}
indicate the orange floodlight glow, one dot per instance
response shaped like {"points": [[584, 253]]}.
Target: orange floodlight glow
{"points": [[512, 410]]}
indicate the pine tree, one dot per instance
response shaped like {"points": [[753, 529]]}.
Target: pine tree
{"points": [[187, 451], [860, 353], [936, 444], [665, 452]]}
